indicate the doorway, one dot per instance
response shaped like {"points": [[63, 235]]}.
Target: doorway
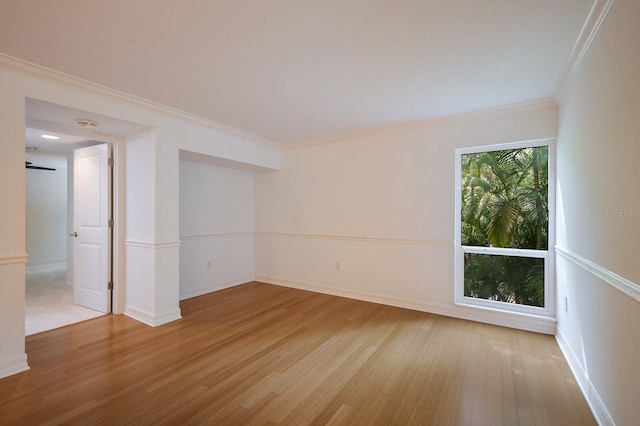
{"points": [[49, 288]]}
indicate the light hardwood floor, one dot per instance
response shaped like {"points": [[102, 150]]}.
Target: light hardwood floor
{"points": [[262, 354]]}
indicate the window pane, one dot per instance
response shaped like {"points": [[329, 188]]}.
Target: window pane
{"points": [[505, 198], [510, 279]]}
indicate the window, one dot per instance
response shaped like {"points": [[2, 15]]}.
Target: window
{"points": [[504, 227]]}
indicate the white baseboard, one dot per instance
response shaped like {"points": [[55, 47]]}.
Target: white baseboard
{"points": [[596, 404], [489, 316], [11, 366], [210, 288], [167, 317], [139, 315], [150, 319]]}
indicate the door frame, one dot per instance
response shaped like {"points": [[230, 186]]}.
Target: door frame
{"points": [[119, 184], [118, 208]]}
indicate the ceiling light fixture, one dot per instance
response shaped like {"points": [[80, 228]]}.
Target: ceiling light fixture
{"points": [[52, 137], [85, 122]]}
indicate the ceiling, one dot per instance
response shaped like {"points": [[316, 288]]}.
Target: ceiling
{"points": [[63, 122], [294, 70], [35, 143]]}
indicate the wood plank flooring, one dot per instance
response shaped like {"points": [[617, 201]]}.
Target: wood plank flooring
{"points": [[264, 355]]}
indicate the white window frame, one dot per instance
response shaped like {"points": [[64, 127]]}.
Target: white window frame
{"points": [[549, 309]]}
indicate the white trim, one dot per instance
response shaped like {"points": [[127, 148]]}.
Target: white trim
{"points": [[433, 243], [529, 143], [167, 317], [432, 121], [13, 260], [118, 204], [215, 236], [538, 324], [150, 245], [594, 401], [503, 251], [210, 288], [139, 315], [150, 319], [11, 366], [589, 30], [46, 262], [629, 288], [12, 63]]}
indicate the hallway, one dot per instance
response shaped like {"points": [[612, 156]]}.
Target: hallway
{"points": [[49, 300]]}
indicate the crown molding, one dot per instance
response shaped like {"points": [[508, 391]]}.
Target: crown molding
{"points": [[425, 122], [11, 63], [587, 34]]}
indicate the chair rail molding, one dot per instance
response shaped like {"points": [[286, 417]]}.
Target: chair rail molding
{"points": [[14, 260], [150, 245], [629, 288], [433, 243]]}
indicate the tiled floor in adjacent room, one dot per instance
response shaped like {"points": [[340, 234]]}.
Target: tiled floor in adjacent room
{"points": [[49, 300]]}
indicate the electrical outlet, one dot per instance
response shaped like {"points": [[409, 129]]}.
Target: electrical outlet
{"points": [[338, 266], [208, 264]]}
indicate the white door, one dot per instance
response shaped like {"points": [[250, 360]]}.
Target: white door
{"points": [[92, 231]]}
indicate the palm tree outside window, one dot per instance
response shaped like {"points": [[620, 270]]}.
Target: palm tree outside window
{"points": [[503, 227]]}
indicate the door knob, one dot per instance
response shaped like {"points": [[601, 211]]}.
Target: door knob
{"points": [[75, 235]]}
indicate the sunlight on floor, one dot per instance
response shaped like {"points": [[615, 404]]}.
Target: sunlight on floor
{"points": [[49, 300]]}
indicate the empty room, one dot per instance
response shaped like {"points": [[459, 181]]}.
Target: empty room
{"points": [[358, 212]]}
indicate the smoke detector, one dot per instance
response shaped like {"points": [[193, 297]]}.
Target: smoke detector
{"points": [[85, 122]]}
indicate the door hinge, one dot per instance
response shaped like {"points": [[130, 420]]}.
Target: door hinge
{"points": [[110, 162], [110, 285], [110, 223]]}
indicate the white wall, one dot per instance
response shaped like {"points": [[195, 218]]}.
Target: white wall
{"points": [[598, 222], [12, 228], [381, 205], [216, 228], [46, 220], [147, 169]]}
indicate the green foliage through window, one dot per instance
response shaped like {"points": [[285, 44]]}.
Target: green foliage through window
{"points": [[505, 204], [510, 279]]}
